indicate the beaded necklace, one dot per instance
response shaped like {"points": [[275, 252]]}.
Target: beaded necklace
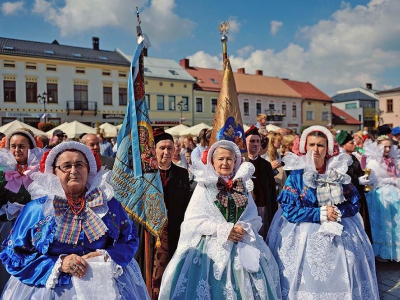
{"points": [[77, 205]]}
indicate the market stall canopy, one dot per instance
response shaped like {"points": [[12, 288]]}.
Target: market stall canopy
{"points": [[119, 126], [14, 125], [73, 129], [176, 130], [245, 127], [194, 130], [272, 128], [108, 130]]}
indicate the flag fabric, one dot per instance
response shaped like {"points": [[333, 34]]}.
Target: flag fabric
{"points": [[136, 180], [228, 123], [42, 115]]}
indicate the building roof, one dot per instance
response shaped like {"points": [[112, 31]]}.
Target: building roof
{"points": [[60, 52], [307, 90], [263, 85], [394, 90], [339, 117], [206, 79], [359, 94], [162, 68]]}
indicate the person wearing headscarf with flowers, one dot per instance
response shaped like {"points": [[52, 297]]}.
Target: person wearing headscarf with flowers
{"points": [[317, 235], [220, 254], [74, 239], [384, 200], [19, 157]]}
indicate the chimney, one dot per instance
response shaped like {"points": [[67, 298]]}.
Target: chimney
{"points": [[96, 43], [184, 62], [369, 86], [144, 51], [259, 72], [241, 71]]}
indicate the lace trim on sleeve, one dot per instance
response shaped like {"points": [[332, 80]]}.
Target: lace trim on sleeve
{"points": [[7, 160], [294, 162], [55, 273], [323, 216], [117, 269]]}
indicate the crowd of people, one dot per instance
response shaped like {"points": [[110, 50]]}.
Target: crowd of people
{"points": [[299, 217]]}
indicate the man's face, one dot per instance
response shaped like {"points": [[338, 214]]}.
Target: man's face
{"points": [[164, 151], [397, 137], [57, 139], [253, 144], [349, 147], [92, 142]]}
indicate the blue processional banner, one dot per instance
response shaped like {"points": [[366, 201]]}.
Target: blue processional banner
{"points": [[136, 180]]}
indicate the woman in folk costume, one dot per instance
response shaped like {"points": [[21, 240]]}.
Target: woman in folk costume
{"points": [[317, 235], [19, 157], [74, 241], [220, 254], [384, 200]]}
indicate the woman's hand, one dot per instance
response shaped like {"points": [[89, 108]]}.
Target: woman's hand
{"points": [[332, 214], [237, 234], [94, 254], [74, 265], [275, 164]]}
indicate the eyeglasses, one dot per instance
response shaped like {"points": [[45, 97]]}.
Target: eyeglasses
{"points": [[66, 168]]}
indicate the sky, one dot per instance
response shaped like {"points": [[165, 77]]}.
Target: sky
{"points": [[333, 44]]}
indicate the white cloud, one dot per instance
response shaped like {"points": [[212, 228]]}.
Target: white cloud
{"points": [[10, 8], [245, 50], [354, 46], [76, 16], [275, 25]]}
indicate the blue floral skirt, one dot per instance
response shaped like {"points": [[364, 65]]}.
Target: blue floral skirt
{"points": [[193, 278], [384, 213], [317, 266]]}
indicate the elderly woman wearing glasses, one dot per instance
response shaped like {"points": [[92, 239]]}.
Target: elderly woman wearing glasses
{"points": [[317, 235], [74, 241]]}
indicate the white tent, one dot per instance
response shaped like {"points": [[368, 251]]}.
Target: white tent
{"points": [[194, 130], [108, 130], [273, 128], [73, 129], [176, 130], [245, 127], [119, 126], [14, 125]]}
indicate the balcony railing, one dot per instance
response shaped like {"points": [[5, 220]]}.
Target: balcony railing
{"points": [[82, 106], [276, 118]]}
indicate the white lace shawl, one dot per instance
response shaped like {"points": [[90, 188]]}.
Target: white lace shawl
{"points": [[49, 185], [375, 163], [203, 218]]}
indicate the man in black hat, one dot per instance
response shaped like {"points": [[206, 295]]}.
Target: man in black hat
{"points": [[264, 192], [358, 179], [176, 187], [58, 138]]}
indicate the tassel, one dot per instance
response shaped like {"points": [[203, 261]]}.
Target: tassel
{"points": [[158, 242]]}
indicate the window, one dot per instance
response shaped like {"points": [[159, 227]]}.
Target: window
{"points": [[103, 58], [52, 68], [246, 108], [173, 72], [171, 102], [52, 93], [107, 95], [122, 96], [31, 91], [147, 101], [80, 70], [106, 72], [258, 108], [8, 48], [160, 102], [147, 70], [9, 64], [9, 91], [30, 66], [389, 105], [80, 97], [351, 105], [294, 111], [213, 105], [76, 54], [199, 105], [49, 51], [213, 81], [185, 103], [325, 116], [121, 74], [271, 106], [309, 115], [284, 110]]}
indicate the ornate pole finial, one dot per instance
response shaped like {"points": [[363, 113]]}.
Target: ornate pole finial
{"points": [[138, 28], [223, 29]]}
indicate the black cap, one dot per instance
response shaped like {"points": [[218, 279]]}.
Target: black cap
{"points": [[58, 132], [253, 130], [160, 135], [384, 129]]}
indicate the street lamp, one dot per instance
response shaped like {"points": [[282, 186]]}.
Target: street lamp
{"points": [[42, 100], [180, 107]]}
